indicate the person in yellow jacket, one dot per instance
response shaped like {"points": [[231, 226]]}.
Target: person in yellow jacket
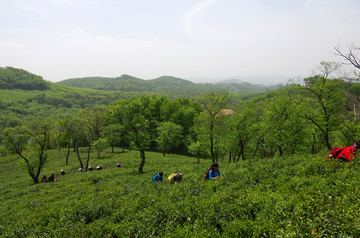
{"points": [[175, 178]]}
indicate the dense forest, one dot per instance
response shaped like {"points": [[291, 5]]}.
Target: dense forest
{"points": [[13, 78]]}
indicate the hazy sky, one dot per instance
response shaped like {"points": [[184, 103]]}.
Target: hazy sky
{"points": [[60, 39]]}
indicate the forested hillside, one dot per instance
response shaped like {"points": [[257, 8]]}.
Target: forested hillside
{"points": [[171, 85], [13, 78]]}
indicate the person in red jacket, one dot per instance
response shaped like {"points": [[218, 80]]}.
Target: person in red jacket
{"points": [[347, 154]]}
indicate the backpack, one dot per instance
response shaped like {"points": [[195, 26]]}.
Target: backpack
{"points": [[206, 176], [171, 175], [334, 153]]}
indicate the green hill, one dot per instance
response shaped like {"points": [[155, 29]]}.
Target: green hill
{"points": [[165, 84], [13, 78], [300, 196]]}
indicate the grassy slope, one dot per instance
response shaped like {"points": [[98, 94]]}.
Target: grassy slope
{"points": [[286, 197]]}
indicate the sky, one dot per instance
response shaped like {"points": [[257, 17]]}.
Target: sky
{"points": [[190, 39]]}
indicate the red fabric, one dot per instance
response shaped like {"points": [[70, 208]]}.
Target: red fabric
{"points": [[348, 153]]}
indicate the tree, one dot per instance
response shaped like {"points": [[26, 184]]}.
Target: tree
{"points": [[351, 57], [169, 136], [88, 128], [67, 126], [113, 134], [134, 115], [322, 104], [197, 149], [22, 139], [284, 129], [213, 102], [244, 126], [100, 145]]}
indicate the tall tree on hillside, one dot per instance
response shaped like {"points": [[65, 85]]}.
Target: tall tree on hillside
{"points": [[35, 139], [212, 102], [134, 115], [169, 136], [67, 126], [284, 128], [113, 133], [100, 145], [77, 137], [323, 102], [244, 128], [197, 149]]}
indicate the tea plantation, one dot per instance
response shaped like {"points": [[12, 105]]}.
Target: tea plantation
{"points": [[299, 196]]}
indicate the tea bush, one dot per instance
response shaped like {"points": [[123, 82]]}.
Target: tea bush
{"points": [[299, 196]]}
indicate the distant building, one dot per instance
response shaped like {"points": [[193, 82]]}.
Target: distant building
{"points": [[228, 112]]}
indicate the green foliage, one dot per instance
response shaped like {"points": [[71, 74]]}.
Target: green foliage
{"points": [[211, 125], [13, 78], [31, 145], [169, 136], [297, 196], [100, 145], [326, 103]]}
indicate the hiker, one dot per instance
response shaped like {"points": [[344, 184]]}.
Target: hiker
{"points": [[344, 154], [81, 169], [52, 178], [175, 178], [118, 165], [44, 179], [158, 177], [90, 168], [214, 172], [62, 172], [99, 167]]}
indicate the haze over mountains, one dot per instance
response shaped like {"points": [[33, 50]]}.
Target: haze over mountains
{"points": [[170, 83], [253, 79]]}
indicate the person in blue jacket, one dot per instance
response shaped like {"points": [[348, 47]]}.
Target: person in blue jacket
{"points": [[158, 177], [214, 172]]}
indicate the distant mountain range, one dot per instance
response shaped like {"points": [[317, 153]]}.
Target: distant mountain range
{"points": [[254, 79], [168, 84]]}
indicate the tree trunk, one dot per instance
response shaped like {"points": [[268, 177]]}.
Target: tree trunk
{"points": [[212, 142], [326, 138], [112, 149], [281, 152], [198, 158], [142, 155], [88, 157], [313, 144], [68, 153], [229, 157], [35, 179], [238, 157], [79, 158]]}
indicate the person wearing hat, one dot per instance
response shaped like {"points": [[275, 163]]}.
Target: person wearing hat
{"points": [[62, 172], [176, 178], [158, 177], [214, 172]]}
